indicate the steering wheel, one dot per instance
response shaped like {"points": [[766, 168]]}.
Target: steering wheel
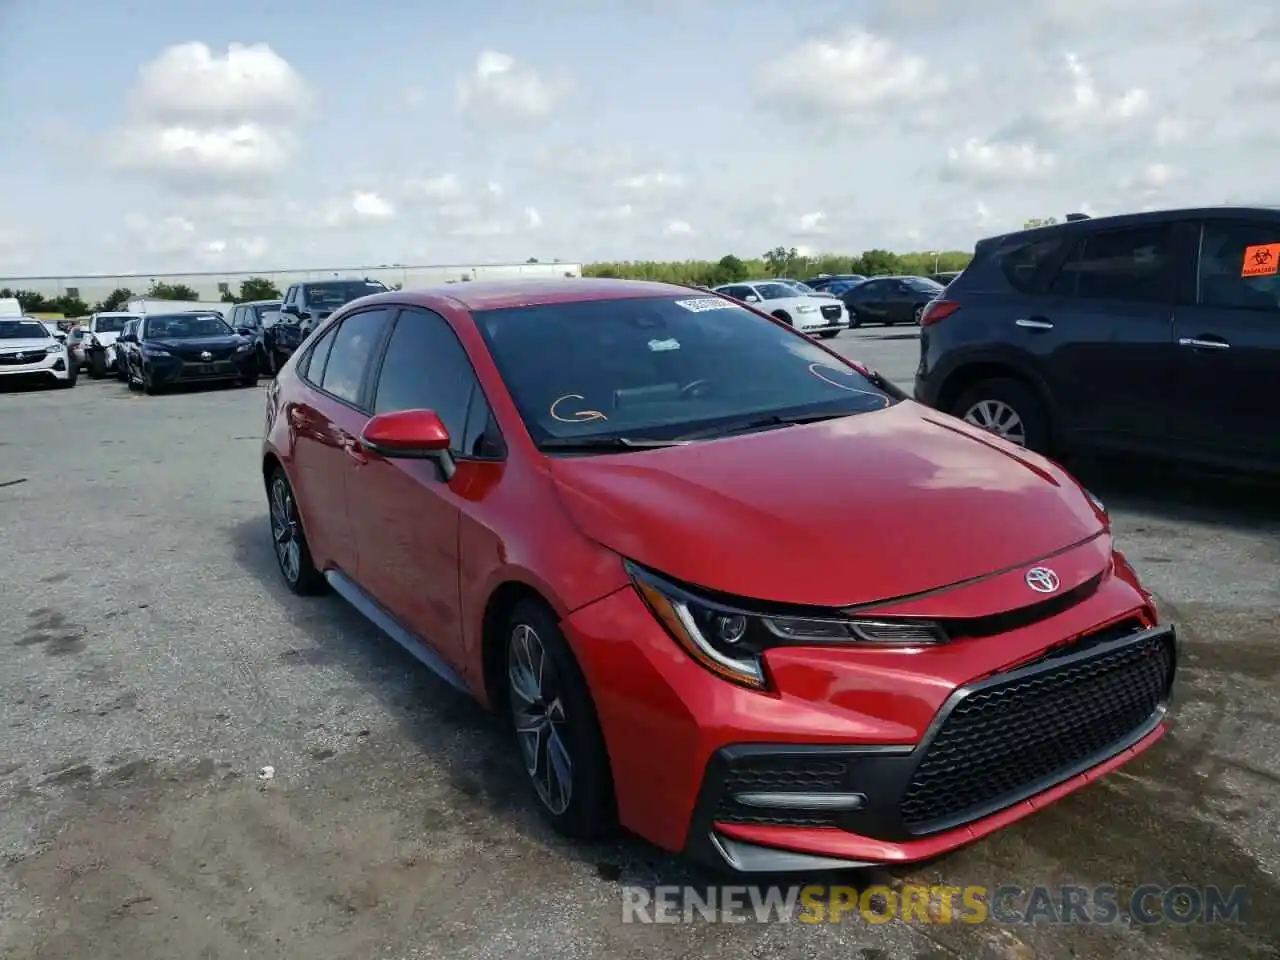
{"points": [[696, 389]]}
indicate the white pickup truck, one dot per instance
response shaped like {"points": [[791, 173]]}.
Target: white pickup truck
{"points": [[100, 341]]}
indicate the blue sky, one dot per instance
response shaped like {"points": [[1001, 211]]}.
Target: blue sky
{"points": [[619, 128]]}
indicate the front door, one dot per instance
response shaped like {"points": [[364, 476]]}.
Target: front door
{"points": [[1228, 343], [406, 517]]}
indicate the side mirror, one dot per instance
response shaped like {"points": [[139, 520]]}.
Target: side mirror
{"points": [[246, 331], [128, 338], [290, 308], [750, 298], [410, 435]]}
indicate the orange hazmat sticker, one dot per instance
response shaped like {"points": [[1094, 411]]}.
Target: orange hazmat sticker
{"points": [[1262, 260]]}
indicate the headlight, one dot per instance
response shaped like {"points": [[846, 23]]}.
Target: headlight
{"points": [[806, 308], [53, 349], [154, 351], [244, 348], [731, 641]]}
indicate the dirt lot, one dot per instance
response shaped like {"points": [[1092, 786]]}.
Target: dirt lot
{"points": [[151, 665]]}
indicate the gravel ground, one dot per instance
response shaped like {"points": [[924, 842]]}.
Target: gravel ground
{"points": [[151, 665]]}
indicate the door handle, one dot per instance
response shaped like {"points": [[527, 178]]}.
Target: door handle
{"points": [[355, 450], [1197, 343], [1033, 323]]}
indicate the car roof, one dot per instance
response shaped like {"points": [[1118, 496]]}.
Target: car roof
{"points": [[116, 313], [1118, 220], [498, 294], [255, 303]]}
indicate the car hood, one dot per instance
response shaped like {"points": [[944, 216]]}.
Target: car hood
{"points": [[106, 339], [870, 507], [25, 344], [197, 344]]}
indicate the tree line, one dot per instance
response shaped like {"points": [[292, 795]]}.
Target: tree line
{"points": [[778, 262]]}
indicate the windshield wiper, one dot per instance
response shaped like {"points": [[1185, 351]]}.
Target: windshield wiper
{"points": [[760, 423], [607, 443]]}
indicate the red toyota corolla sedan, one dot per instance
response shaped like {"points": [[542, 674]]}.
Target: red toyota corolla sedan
{"points": [[735, 593]]}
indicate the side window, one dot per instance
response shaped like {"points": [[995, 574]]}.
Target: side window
{"points": [[1025, 266], [1239, 265], [481, 437], [427, 368], [1131, 265], [353, 347], [237, 317], [313, 364]]}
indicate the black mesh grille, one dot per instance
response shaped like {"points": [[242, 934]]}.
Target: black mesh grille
{"points": [[34, 355], [781, 774], [1010, 738], [831, 312]]}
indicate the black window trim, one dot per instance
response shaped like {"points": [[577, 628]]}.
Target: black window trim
{"points": [[375, 374], [362, 403], [1201, 227]]}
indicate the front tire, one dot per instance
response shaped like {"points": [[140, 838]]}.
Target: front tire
{"points": [[828, 334], [555, 725], [249, 381], [784, 317], [288, 539], [97, 365], [1008, 408]]}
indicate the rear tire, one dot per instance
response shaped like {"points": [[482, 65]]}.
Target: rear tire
{"points": [[249, 381], [556, 728], [1009, 408], [288, 539], [918, 313], [97, 365]]}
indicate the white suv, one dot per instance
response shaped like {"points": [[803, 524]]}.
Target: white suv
{"points": [[28, 350]]}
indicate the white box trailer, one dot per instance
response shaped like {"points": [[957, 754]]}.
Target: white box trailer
{"points": [[144, 306]]}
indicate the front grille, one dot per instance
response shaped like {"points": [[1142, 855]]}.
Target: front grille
{"points": [[220, 369], [28, 356], [781, 774], [831, 312], [1014, 737]]}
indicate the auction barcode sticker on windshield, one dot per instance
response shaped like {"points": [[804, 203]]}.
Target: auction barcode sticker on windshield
{"points": [[703, 304]]}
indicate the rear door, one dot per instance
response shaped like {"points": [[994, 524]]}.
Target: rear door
{"points": [[870, 300], [1102, 335], [1227, 330], [327, 421]]}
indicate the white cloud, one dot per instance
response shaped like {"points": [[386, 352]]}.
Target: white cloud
{"points": [[1086, 104], [616, 214], [678, 228], [498, 88], [1151, 180], [189, 81], [1170, 130], [987, 162], [810, 225], [200, 121], [360, 207], [860, 76], [442, 188], [369, 206], [532, 218], [654, 180]]}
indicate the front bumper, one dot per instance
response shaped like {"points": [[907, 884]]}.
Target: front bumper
{"points": [[48, 367], [884, 756], [169, 370]]}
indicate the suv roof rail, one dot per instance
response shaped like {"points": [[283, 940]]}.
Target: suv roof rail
{"points": [[1073, 217]]}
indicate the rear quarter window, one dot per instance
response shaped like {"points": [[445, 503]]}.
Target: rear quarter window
{"points": [[1026, 265]]}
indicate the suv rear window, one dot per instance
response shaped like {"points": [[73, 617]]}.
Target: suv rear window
{"points": [[1024, 265]]}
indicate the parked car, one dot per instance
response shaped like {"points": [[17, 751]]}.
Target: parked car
{"points": [[807, 313], [889, 300], [99, 341], [28, 351], [75, 346], [306, 304], [256, 319], [836, 283], [189, 347], [127, 350], [619, 512], [944, 278], [1155, 333]]}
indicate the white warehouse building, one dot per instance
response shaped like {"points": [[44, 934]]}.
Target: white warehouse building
{"points": [[212, 285]]}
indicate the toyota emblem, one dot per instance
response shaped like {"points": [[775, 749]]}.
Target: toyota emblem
{"points": [[19, 356], [1042, 580], [206, 355]]}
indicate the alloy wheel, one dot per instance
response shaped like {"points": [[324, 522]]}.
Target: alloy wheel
{"points": [[284, 531], [540, 721], [999, 418]]}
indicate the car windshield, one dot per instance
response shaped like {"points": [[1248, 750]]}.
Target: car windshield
{"points": [[267, 314], [110, 324], [180, 326], [330, 296], [23, 330], [775, 291], [804, 288], [661, 368]]}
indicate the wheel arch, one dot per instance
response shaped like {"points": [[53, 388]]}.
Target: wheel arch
{"points": [[504, 598]]}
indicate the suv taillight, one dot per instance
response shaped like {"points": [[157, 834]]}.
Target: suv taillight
{"points": [[936, 310]]}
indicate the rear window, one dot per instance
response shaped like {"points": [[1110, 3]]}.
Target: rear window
{"points": [[662, 367], [1025, 266]]}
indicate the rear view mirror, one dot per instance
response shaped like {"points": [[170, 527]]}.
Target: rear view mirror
{"points": [[410, 435]]}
